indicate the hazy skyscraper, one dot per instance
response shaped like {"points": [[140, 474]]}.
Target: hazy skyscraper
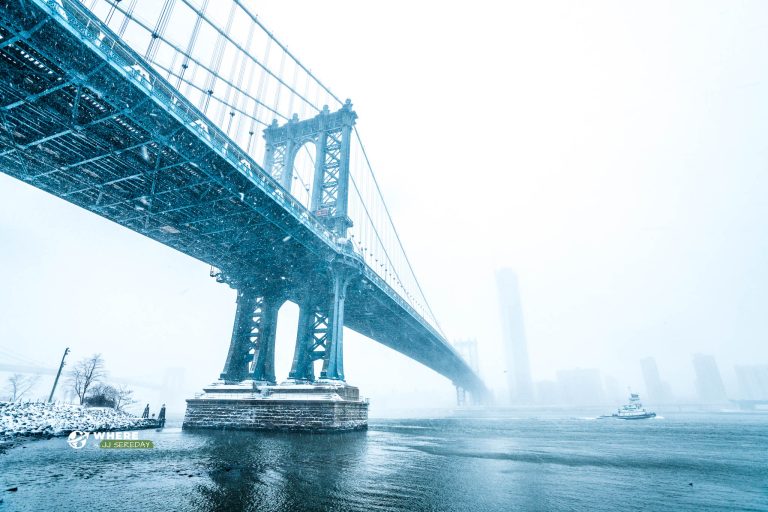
{"points": [[753, 382], [658, 391], [515, 347], [709, 384]]}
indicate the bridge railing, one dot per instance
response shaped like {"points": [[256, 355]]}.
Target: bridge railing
{"points": [[93, 31]]}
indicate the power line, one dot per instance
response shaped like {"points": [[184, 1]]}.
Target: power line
{"points": [[7, 352]]}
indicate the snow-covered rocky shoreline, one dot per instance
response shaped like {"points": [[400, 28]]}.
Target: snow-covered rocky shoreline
{"points": [[24, 421]]}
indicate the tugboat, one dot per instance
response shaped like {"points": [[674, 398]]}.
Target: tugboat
{"points": [[632, 411]]}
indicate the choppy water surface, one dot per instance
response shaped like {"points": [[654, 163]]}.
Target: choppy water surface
{"points": [[544, 463]]}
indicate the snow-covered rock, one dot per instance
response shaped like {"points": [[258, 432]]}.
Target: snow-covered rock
{"points": [[43, 419]]}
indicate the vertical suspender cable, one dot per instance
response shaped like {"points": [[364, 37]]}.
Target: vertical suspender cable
{"points": [[259, 94], [397, 236], [216, 58], [276, 104], [289, 110], [127, 18], [241, 102], [160, 25], [191, 44]]}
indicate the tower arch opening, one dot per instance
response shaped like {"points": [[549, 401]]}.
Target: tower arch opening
{"points": [[303, 172], [287, 325]]}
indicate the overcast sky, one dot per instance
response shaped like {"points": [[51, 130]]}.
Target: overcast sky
{"points": [[613, 153]]}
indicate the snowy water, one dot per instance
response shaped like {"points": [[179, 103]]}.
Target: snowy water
{"points": [[545, 463]]}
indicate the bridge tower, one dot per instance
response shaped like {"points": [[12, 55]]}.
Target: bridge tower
{"points": [[331, 134], [247, 389], [320, 292], [468, 350]]}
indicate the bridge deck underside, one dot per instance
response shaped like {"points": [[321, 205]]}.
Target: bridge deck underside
{"points": [[76, 125]]}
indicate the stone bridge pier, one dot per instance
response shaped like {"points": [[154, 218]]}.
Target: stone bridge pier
{"points": [[247, 394]]}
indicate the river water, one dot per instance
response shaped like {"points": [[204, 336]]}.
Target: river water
{"points": [[445, 464]]}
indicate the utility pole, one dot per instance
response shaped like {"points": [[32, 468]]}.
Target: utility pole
{"points": [[55, 382]]}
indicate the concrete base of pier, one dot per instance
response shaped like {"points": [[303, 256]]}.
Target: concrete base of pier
{"points": [[248, 405]]}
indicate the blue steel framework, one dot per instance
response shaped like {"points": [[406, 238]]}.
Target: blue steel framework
{"points": [[85, 118]]}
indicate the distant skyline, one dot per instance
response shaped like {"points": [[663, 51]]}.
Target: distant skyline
{"points": [[612, 153]]}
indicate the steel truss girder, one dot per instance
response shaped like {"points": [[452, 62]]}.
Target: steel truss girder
{"points": [[80, 129], [23, 34], [159, 171]]}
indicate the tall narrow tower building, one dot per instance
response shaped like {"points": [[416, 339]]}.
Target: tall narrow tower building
{"points": [[513, 331], [709, 384], [658, 390]]}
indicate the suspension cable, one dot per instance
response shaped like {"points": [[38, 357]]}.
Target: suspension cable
{"points": [[237, 45], [397, 236], [197, 62], [213, 96], [255, 19]]}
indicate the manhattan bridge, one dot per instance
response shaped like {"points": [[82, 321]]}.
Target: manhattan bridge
{"points": [[187, 121]]}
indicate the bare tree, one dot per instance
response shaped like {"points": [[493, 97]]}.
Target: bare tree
{"points": [[123, 397], [19, 385], [85, 374]]}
